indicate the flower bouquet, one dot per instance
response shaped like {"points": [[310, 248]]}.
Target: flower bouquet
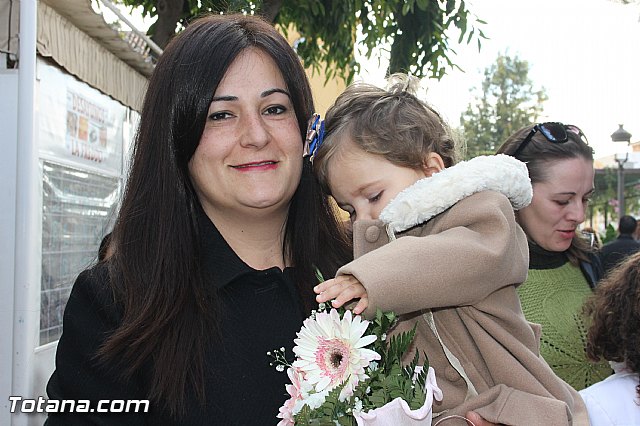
{"points": [[347, 372]]}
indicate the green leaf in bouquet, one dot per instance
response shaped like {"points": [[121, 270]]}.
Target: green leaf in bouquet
{"points": [[331, 411], [421, 379], [395, 370], [398, 346], [419, 396], [382, 322], [303, 417], [410, 368], [378, 398]]}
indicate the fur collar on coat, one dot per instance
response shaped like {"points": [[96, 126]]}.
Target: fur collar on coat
{"points": [[431, 196]]}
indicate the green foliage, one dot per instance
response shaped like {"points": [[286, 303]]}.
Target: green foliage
{"points": [[387, 381], [332, 410], [609, 234], [417, 30], [507, 101], [605, 198], [605, 190]]}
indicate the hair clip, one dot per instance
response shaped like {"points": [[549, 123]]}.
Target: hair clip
{"points": [[315, 136]]}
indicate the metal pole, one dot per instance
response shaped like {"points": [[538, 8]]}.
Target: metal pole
{"points": [[621, 209], [28, 242], [142, 35]]}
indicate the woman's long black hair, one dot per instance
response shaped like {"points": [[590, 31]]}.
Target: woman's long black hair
{"points": [[155, 273]]}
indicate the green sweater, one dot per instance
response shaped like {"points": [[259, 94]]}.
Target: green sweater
{"points": [[553, 298]]}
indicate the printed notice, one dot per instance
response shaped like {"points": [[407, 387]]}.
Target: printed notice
{"points": [[86, 128]]}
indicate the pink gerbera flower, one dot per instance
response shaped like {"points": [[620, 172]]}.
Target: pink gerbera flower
{"points": [[296, 393], [331, 351]]}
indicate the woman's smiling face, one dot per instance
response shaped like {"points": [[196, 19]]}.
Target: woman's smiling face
{"points": [[559, 204], [249, 159]]}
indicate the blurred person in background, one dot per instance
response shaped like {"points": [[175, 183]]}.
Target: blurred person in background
{"points": [[614, 252]]}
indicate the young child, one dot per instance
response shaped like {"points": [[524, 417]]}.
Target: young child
{"points": [[614, 334], [437, 243]]}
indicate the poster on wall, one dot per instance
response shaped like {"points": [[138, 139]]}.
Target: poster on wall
{"points": [[86, 135], [78, 124]]}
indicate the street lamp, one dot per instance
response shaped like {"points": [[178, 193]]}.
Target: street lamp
{"points": [[621, 135]]}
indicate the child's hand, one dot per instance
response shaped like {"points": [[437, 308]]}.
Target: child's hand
{"points": [[343, 289]]}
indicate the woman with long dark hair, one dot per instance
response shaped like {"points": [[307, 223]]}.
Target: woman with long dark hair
{"points": [[217, 245]]}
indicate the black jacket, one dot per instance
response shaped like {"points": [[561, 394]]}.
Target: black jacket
{"points": [[261, 312], [592, 270], [616, 251]]}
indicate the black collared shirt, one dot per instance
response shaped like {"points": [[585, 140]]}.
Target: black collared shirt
{"points": [[259, 311]]}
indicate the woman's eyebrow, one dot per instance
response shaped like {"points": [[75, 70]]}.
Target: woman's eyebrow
{"points": [[262, 95], [575, 193], [224, 98], [272, 91]]}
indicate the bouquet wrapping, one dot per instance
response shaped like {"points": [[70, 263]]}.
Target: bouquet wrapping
{"points": [[347, 372], [398, 412]]}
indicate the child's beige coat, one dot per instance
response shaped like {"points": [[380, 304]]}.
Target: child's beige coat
{"points": [[460, 257]]}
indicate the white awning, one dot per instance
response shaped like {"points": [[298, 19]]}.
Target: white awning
{"points": [[80, 41]]}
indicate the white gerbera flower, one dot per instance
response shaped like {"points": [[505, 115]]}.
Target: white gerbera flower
{"points": [[331, 351]]}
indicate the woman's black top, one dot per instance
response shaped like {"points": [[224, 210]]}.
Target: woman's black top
{"points": [[540, 258], [261, 311]]}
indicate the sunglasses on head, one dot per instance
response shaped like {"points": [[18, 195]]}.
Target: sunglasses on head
{"points": [[552, 131]]}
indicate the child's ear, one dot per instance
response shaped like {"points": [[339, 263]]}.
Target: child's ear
{"points": [[432, 163]]}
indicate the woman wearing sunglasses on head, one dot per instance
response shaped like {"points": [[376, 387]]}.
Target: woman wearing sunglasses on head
{"points": [[563, 270]]}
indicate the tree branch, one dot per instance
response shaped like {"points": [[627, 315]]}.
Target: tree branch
{"points": [[168, 16], [270, 9]]}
